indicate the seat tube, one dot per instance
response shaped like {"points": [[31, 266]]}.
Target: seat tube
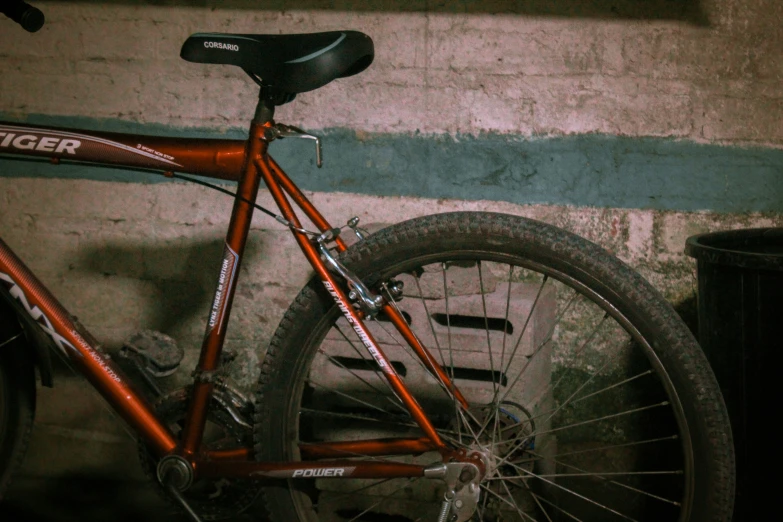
{"points": [[219, 312]]}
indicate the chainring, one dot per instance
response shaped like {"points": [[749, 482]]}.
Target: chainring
{"points": [[212, 499]]}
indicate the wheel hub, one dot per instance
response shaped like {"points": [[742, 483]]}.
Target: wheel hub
{"points": [[506, 434]]}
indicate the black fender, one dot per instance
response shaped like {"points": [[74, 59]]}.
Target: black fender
{"points": [[14, 321]]}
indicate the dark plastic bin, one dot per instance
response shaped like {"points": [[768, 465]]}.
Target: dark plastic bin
{"points": [[740, 296]]}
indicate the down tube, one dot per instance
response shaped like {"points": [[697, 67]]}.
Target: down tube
{"points": [[81, 349]]}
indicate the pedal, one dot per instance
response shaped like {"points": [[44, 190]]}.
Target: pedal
{"points": [[159, 353], [153, 355]]}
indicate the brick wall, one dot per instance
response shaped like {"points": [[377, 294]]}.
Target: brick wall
{"points": [[434, 71]]}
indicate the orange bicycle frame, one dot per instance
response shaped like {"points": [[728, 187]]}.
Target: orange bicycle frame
{"points": [[247, 163]]}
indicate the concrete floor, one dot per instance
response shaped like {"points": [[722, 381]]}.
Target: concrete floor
{"points": [[84, 499]]}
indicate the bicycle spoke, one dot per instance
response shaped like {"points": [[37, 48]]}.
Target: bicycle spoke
{"points": [[509, 387], [537, 501], [383, 499], [589, 340], [572, 492], [552, 388], [466, 422], [575, 401], [603, 475], [538, 349], [502, 499], [416, 359], [526, 437], [12, 339], [514, 502], [449, 393], [613, 386], [429, 322], [346, 396], [527, 322], [458, 417], [483, 507], [613, 446], [334, 361], [552, 413], [460, 411], [359, 489], [508, 308], [587, 474], [380, 375], [353, 416], [542, 499], [494, 414], [495, 385]]}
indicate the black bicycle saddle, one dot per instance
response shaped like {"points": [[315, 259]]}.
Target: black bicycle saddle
{"points": [[289, 63]]}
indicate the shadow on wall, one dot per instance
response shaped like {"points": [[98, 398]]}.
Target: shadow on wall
{"points": [[688, 310], [690, 11], [183, 275]]}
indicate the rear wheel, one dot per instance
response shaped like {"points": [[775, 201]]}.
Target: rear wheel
{"points": [[590, 400]]}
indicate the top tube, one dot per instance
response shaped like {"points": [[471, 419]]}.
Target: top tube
{"points": [[214, 158]]}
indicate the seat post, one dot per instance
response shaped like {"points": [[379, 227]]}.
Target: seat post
{"points": [[265, 110]]}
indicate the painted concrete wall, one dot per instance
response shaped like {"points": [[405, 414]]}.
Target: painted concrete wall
{"points": [[709, 77], [635, 127], [489, 100]]}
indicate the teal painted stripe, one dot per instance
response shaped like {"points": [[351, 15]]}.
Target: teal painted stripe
{"points": [[586, 170]]}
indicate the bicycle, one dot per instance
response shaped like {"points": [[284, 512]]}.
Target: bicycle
{"points": [[452, 367]]}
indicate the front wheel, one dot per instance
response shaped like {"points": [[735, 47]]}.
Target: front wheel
{"points": [[589, 398], [17, 404]]}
